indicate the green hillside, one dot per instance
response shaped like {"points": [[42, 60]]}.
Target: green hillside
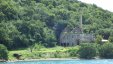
{"points": [[26, 22]]}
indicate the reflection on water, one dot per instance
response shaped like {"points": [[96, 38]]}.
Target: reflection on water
{"points": [[103, 61]]}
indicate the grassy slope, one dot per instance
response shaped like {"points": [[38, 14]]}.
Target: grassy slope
{"points": [[26, 54]]}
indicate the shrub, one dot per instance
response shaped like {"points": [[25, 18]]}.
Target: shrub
{"points": [[57, 54], [3, 52], [87, 51], [106, 50], [36, 47], [73, 52], [110, 39], [98, 39]]}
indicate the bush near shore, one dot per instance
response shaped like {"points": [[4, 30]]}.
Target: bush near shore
{"points": [[106, 51], [3, 52], [87, 51]]}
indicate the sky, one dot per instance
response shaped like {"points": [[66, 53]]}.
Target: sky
{"points": [[105, 4]]}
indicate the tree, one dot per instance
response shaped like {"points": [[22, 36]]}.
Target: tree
{"points": [[3, 52], [9, 33], [49, 38], [87, 51], [8, 10], [111, 37], [106, 50], [99, 39]]}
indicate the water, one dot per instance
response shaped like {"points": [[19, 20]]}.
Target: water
{"points": [[104, 61]]}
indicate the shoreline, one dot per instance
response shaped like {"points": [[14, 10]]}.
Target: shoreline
{"points": [[44, 59], [50, 59]]}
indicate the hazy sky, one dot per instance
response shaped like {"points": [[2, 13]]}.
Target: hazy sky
{"points": [[105, 4]]}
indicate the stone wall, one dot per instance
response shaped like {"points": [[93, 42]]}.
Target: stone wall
{"points": [[75, 39]]}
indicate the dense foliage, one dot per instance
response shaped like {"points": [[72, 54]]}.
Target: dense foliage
{"points": [[26, 22], [73, 52], [87, 51], [98, 39], [106, 51], [3, 52]]}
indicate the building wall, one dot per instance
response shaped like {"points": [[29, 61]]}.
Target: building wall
{"points": [[74, 39]]}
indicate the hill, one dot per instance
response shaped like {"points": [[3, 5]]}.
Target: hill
{"points": [[26, 22]]}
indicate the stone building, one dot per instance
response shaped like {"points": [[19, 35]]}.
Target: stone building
{"points": [[70, 39], [75, 37]]}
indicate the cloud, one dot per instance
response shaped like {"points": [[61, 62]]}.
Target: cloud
{"points": [[105, 4]]}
